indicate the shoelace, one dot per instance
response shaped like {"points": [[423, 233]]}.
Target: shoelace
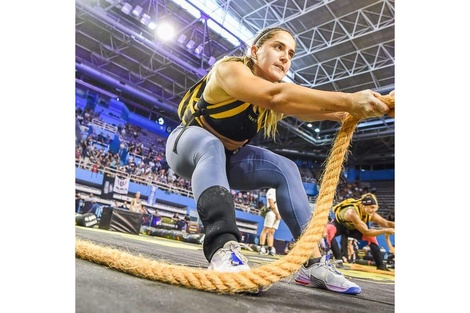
{"points": [[244, 245], [331, 266], [234, 254]]}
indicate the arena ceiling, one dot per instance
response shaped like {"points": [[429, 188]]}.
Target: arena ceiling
{"points": [[341, 46]]}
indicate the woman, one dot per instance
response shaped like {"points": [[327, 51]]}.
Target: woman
{"points": [[239, 97], [136, 204], [352, 218]]}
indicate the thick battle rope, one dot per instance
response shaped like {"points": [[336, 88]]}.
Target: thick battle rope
{"points": [[257, 277], [369, 269]]}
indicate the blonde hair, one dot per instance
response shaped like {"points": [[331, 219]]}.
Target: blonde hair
{"points": [[268, 119]]}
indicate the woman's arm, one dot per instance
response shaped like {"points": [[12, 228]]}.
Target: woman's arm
{"points": [[235, 80], [378, 219], [353, 217]]}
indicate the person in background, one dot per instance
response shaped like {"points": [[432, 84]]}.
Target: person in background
{"points": [[136, 204], [238, 98], [78, 202], [124, 206], [353, 248], [271, 224], [352, 219]]}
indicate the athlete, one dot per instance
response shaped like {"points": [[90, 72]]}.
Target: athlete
{"points": [[239, 97], [352, 219]]}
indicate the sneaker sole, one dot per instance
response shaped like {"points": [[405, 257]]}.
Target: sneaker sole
{"points": [[320, 284]]}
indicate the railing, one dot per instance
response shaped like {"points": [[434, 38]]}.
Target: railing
{"points": [[103, 125], [148, 181]]}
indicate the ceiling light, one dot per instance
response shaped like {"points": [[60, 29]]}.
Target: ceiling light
{"points": [[152, 25], [182, 38], [126, 8], [145, 19], [211, 61], [137, 11], [165, 31], [190, 44], [198, 49]]}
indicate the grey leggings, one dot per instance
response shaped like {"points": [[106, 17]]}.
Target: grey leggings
{"points": [[201, 158]]}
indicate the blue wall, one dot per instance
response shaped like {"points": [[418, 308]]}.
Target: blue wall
{"points": [[366, 175], [80, 102], [310, 188]]}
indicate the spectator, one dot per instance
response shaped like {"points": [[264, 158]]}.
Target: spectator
{"points": [[136, 204], [353, 248], [78, 202], [271, 223]]}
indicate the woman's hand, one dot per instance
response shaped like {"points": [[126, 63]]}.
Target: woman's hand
{"points": [[366, 104]]}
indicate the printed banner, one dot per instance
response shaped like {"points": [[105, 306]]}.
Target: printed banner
{"points": [[107, 187], [121, 185]]}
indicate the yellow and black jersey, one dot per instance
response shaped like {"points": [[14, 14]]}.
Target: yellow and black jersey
{"points": [[233, 121], [340, 209]]}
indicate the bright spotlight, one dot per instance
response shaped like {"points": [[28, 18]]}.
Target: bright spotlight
{"points": [[165, 31]]}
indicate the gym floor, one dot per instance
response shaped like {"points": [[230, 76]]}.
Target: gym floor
{"points": [[101, 289]]}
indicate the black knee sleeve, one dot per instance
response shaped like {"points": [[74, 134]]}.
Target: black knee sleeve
{"points": [[344, 246], [216, 209], [335, 249], [376, 254]]}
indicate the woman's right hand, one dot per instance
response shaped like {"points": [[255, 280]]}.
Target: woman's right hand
{"points": [[366, 104]]}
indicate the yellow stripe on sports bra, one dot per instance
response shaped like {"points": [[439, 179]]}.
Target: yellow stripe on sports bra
{"points": [[231, 112]]}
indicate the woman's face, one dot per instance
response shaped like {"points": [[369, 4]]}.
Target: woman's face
{"points": [[370, 209], [273, 58]]}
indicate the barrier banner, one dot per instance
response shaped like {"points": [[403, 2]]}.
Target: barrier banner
{"points": [[123, 221], [121, 185], [107, 187], [86, 220]]}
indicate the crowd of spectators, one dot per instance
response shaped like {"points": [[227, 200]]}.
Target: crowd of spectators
{"points": [[351, 190], [145, 163]]}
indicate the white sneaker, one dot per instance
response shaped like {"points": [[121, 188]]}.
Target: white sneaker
{"points": [[262, 250], [324, 275], [229, 259], [272, 252]]}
